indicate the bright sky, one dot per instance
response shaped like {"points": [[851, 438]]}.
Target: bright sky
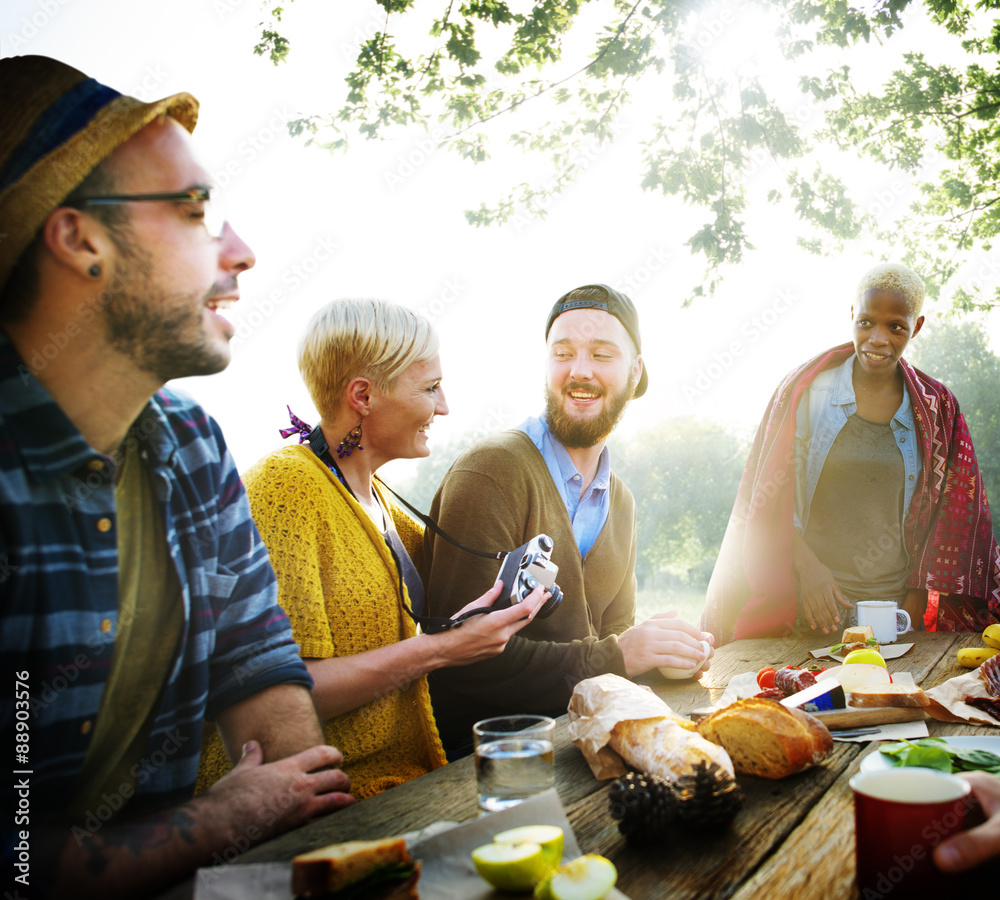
{"points": [[386, 220]]}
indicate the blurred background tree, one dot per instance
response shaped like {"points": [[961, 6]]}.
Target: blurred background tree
{"points": [[958, 354]]}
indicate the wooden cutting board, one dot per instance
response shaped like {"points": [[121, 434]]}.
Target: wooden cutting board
{"points": [[879, 715]]}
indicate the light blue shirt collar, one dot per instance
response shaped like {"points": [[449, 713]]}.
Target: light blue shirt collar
{"points": [[588, 512]]}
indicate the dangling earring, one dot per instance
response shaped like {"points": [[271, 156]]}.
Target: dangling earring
{"points": [[352, 441]]}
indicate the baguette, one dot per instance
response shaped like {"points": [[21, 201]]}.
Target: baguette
{"points": [[766, 739], [616, 723], [664, 747], [888, 695]]}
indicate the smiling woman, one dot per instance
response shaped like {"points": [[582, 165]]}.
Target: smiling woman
{"points": [[346, 557], [862, 485]]}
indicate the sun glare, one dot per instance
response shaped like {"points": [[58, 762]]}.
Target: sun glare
{"points": [[733, 38]]}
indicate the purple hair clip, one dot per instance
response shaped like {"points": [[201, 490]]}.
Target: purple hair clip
{"points": [[298, 427]]}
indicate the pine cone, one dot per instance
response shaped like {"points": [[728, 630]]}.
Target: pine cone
{"points": [[707, 798], [643, 805]]}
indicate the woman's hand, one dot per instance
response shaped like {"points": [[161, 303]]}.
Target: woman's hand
{"points": [[819, 593], [343, 683], [484, 636]]}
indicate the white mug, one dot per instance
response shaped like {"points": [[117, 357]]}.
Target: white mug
{"points": [[885, 618]]}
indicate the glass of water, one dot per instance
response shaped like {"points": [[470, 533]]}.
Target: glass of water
{"points": [[514, 759]]}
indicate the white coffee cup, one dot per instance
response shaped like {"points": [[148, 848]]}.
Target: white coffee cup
{"points": [[885, 618], [677, 672]]}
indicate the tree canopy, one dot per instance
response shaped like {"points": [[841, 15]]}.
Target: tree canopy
{"points": [[724, 131]]}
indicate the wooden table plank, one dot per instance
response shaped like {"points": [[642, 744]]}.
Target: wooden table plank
{"points": [[817, 860]]}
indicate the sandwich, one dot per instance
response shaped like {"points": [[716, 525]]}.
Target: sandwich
{"points": [[860, 637], [357, 870]]}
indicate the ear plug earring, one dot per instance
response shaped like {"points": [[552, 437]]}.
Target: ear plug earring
{"points": [[94, 271]]}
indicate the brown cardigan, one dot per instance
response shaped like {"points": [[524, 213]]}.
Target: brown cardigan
{"points": [[498, 495]]}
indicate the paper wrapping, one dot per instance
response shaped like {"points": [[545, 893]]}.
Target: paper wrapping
{"points": [[599, 704], [948, 700]]}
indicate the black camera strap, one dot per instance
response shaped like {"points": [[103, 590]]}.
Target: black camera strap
{"points": [[430, 624]]}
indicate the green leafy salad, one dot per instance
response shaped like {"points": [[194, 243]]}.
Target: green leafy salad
{"points": [[937, 753]]}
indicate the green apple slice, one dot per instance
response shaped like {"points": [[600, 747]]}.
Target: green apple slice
{"points": [[512, 867], [587, 877], [550, 837]]}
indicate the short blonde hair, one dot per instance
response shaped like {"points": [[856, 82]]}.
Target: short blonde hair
{"points": [[897, 279], [372, 339]]}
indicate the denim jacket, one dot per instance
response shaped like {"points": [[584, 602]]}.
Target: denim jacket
{"points": [[822, 412]]}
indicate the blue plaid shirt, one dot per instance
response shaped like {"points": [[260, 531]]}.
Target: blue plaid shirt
{"points": [[59, 589]]}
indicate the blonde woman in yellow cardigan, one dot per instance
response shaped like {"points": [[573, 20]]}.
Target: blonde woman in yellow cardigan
{"points": [[346, 557]]}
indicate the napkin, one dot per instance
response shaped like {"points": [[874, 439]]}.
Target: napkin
{"points": [[443, 848], [948, 700]]}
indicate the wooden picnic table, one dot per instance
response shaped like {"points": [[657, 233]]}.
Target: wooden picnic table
{"points": [[794, 837]]}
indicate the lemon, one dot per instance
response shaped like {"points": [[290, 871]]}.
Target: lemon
{"points": [[587, 877], [512, 867], [870, 657], [548, 837]]}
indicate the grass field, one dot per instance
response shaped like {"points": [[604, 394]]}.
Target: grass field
{"points": [[687, 601]]}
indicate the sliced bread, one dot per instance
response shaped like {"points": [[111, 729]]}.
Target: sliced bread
{"points": [[888, 695]]}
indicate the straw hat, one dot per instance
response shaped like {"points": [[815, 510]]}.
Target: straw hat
{"points": [[56, 125]]}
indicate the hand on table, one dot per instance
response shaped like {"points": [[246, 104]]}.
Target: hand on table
{"points": [[271, 798], [664, 640], [975, 846]]}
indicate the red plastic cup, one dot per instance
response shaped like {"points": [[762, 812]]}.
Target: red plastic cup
{"points": [[900, 816]]}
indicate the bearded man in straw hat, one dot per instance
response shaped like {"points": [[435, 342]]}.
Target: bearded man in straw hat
{"points": [[136, 595]]}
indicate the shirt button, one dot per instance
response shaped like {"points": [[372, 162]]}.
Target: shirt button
{"points": [[104, 525], [96, 465], [902, 440], [911, 478], [105, 625], [85, 727], [576, 477]]}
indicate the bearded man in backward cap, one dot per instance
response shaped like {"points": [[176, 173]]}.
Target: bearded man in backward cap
{"points": [[552, 475], [136, 594]]}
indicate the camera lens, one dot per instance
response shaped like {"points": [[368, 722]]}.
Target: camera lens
{"points": [[549, 606]]}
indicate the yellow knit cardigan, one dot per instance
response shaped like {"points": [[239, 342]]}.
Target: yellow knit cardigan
{"points": [[339, 585]]}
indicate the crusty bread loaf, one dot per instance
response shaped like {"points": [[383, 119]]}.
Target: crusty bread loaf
{"points": [[665, 747], [332, 868], [767, 739], [888, 695]]}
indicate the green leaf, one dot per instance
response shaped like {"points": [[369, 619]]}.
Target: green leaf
{"points": [[927, 757]]}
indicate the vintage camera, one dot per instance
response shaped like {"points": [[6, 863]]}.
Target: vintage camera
{"points": [[524, 569]]}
